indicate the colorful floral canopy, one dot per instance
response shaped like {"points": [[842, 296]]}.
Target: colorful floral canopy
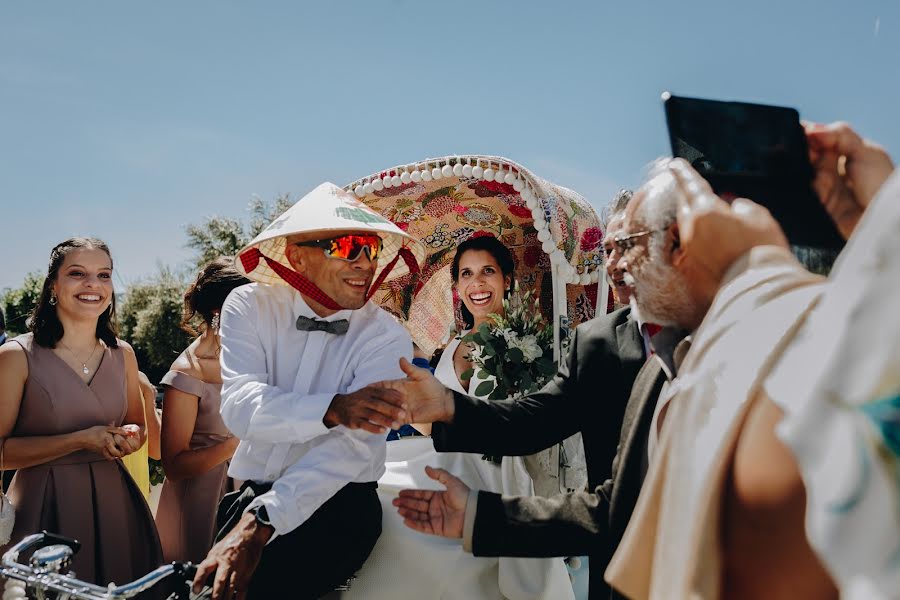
{"points": [[551, 231]]}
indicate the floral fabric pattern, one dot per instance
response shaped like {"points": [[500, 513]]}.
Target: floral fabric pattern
{"points": [[445, 212]]}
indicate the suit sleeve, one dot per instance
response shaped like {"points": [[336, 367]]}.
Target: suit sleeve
{"points": [[516, 427], [534, 526]]}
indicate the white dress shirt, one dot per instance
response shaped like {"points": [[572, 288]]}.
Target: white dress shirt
{"points": [[277, 383]]}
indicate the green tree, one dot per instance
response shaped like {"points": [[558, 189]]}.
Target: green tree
{"points": [[19, 302], [149, 319], [223, 236]]}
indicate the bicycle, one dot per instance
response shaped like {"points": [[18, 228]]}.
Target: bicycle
{"points": [[47, 577]]}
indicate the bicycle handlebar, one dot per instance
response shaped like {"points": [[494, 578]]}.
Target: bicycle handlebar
{"points": [[48, 579]]}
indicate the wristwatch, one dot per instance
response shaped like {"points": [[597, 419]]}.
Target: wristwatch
{"points": [[261, 515]]}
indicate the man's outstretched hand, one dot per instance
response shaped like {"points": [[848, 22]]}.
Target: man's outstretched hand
{"points": [[375, 408], [435, 512], [425, 398]]}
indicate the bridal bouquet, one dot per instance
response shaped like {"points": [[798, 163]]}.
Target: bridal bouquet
{"points": [[512, 354]]}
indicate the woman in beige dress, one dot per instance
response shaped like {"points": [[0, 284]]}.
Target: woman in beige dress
{"points": [[70, 409], [196, 445]]}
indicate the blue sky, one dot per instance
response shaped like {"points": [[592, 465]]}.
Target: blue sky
{"points": [[129, 121]]}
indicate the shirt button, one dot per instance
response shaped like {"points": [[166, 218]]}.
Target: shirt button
{"points": [[270, 476]]}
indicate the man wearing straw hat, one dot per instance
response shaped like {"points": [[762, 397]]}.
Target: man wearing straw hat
{"points": [[300, 348]]}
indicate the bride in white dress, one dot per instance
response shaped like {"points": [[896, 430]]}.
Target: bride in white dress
{"points": [[407, 564]]}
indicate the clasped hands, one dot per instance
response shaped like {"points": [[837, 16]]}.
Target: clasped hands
{"points": [[113, 442]]}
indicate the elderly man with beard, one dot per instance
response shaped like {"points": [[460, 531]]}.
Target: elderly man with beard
{"points": [[785, 413], [587, 522]]}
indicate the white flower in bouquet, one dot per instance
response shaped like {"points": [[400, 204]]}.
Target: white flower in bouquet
{"points": [[509, 335], [529, 346]]}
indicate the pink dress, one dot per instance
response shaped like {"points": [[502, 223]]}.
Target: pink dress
{"points": [[186, 517], [81, 495]]}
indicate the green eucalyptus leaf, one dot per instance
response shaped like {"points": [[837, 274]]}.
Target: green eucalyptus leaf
{"points": [[515, 355], [467, 374], [484, 388]]}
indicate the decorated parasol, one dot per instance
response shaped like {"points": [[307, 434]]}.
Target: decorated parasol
{"points": [[553, 233]]}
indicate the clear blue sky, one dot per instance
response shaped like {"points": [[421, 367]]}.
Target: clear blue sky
{"points": [[128, 121]]}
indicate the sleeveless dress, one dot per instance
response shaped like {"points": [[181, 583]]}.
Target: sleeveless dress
{"points": [[409, 564], [81, 495], [186, 517]]}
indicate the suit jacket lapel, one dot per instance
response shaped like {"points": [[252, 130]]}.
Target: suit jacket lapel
{"points": [[640, 408], [631, 346]]}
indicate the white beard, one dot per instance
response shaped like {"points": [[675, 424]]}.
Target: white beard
{"points": [[660, 294]]}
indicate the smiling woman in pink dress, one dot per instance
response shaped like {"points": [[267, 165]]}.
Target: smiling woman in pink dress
{"points": [[196, 445], [70, 408]]}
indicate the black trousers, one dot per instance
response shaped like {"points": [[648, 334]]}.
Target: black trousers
{"points": [[321, 554]]}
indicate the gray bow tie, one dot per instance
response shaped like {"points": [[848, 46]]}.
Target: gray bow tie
{"points": [[336, 327]]}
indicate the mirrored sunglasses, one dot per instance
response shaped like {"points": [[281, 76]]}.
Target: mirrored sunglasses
{"points": [[348, 247]]}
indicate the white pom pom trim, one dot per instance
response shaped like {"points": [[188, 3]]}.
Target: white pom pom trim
{"points": [[499, 172]]}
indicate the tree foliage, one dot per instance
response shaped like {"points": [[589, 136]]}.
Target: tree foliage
{"points": [[149, 319], [18, 303], [222, 236]]}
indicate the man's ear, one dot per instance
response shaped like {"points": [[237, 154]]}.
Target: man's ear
{"points": [[296, 257]]}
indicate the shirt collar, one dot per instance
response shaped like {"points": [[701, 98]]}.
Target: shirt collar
{"points": [[301, 308], [670, 346]]}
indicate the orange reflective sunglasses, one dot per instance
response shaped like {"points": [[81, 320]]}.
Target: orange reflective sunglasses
{"points": [[348, 247]]}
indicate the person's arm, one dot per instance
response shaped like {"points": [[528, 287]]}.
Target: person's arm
{"points": [[517, 526], [134, 414], [179, 419], [342, 454], [151, 418], [571, 524], [22, 452]]}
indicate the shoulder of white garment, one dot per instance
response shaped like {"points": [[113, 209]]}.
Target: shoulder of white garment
{"points": [[378, 321]]}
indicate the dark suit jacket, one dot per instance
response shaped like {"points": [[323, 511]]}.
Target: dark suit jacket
{"points": [[588, 394]]}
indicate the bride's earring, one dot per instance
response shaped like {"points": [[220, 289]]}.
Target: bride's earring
{"points": [[214, 323], [52, 300]]}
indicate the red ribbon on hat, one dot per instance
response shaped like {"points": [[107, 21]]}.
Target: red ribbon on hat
{"points": [[250, 260]]}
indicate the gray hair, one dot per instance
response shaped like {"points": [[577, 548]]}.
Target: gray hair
{"points": [[615, 207], [659, 206]]}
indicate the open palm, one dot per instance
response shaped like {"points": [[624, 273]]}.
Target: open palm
{"points": [[435, 512]]}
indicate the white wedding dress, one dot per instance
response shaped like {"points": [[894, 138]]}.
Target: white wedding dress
{"points": [[408, 564]]}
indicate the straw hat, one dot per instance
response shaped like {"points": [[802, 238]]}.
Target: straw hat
{"points": [[326, 210]]}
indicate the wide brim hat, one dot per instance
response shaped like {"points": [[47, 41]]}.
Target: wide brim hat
{"points": [[552, 232], [326, 210]]}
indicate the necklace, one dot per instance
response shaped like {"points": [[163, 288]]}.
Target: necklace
{"points": [[84, 367]]}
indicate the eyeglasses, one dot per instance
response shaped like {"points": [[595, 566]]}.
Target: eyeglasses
{"points": [[348, 247], [626, 242]]}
